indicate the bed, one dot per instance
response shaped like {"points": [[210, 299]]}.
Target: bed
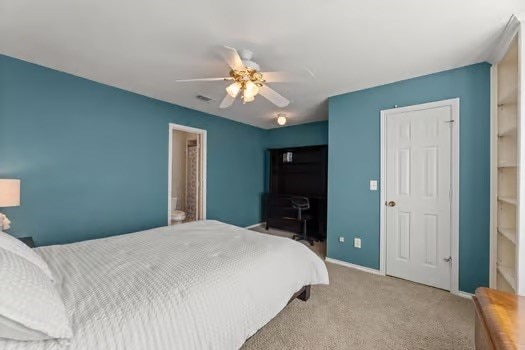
{"points": [[200, 285]]}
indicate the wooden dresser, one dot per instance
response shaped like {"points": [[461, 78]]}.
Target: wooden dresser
{"points": [[500, 320]]}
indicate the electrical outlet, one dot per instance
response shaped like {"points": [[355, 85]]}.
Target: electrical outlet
{"points": [[357, 242], [341, 239]]}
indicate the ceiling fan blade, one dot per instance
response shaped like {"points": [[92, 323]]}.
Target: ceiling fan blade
{"points": [[203, 79], [232, 58], [273, 96], [227, 102], [283, 77]]}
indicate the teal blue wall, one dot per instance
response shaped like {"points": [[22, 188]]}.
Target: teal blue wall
{"points": [[315, 133], [93, 159], [354, 159], [310, 134]]}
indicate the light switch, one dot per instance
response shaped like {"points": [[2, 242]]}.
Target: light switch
{"points": [[373, 185], [357, 242]]}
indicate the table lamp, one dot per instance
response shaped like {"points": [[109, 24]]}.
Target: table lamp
{"points": [[9, 197]]}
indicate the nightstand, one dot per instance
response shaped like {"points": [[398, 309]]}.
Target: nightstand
{"points": [[28, 241]]}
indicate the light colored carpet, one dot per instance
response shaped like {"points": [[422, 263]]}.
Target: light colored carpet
{"points": [[359, 310]]}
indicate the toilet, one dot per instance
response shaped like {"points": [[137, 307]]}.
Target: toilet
{"points": [[177, 216]]}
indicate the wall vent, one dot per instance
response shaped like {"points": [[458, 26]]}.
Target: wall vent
{"points": [[204, 98]]}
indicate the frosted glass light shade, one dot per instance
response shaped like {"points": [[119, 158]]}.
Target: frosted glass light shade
{"points": [[233, 89], [250, 90], [9, 193], [247, 98]]}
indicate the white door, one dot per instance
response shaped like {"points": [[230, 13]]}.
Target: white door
{"points": [[418, 194]]}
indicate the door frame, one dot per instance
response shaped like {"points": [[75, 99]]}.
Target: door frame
{"points": [[203, 155], [453, 104]]}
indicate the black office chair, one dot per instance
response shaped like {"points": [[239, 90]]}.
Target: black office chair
{"points": [[302, 204]]}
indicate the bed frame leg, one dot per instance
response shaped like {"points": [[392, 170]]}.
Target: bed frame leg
{"points": [[305, 295]]}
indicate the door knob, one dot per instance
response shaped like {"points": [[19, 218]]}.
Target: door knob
{"points": [[391, 204], [449, 259]]}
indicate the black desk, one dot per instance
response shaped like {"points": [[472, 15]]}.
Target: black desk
{"points": [[301, 172]]}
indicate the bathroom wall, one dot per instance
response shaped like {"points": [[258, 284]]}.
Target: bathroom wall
{"points": [[178, 168]]}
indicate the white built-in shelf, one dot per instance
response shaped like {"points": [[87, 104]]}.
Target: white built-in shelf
{"points": [[510, 131], [508, 119], [507, 164], [508, 274], [508, 233], [510, 99], [508, 200], [511, 103]]}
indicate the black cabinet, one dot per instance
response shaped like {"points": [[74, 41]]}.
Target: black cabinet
{"points": [[298, 171]]}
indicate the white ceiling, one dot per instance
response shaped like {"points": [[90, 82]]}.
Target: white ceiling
{"points": [[144, 46]]}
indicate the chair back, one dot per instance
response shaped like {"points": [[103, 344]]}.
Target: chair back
{"points": [[301, 203]]}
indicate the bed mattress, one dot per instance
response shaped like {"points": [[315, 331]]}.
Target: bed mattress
{"points": [[200, 285]]}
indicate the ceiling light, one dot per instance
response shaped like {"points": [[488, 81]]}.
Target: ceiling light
{"points": [[281, 119], [251, 89], [247, 97], [233, 89]]}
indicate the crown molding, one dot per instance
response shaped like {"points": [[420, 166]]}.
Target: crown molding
{"points": [[505, 39]]}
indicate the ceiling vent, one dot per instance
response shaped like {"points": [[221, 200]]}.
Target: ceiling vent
{"points": [[204, 98]]}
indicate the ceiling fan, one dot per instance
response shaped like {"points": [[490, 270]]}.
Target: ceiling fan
{"points": [[247, 79]]}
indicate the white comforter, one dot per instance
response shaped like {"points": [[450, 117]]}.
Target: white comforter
{"points": [[201, 285]]}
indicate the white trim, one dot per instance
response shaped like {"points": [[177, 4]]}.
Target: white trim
{"points": [[505, 39], [203, 173], [459, 293], [254, 225], [463, 294], [520, 231], [353, 266], [493, 175], [454, 218]]}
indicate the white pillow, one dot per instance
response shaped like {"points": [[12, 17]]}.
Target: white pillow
{"points": [[19, 248], [13, 330], [29, 302]]}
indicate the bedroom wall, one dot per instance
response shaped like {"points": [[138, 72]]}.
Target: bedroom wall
{"points": [[354, 159], [93, 159], [315, 133], [309, 134]]}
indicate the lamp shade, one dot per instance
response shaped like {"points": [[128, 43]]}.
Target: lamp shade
{"points": [[9, 193]]}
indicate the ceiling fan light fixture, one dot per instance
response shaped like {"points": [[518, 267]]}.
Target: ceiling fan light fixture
{"points": [[281, 119], [234, 89], [247, 97], [251, 89]]}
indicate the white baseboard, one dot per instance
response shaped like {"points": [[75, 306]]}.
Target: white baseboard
{"points": [[377, 272], [353, 266], [463, 294], [255, 225]]}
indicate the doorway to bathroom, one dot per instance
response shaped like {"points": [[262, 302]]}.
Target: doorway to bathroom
{"points": [[186, 174]]}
